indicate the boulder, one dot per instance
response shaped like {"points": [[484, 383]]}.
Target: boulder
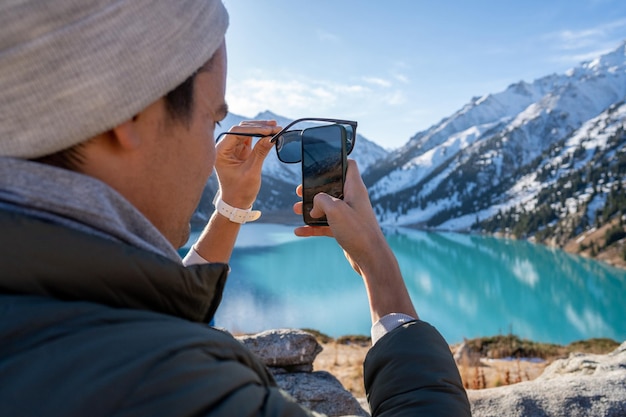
{"points": [[283, 348], [581, 385], [321, 392], [289, 355]]}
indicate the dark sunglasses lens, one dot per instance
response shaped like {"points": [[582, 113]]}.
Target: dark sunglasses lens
{"points": [[288, 147]]}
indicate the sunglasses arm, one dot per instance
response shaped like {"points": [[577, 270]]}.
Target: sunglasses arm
{"points": [[252, 135]]}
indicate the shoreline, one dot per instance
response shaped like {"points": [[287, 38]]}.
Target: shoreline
{"points": [[580, 245], [589, 244], [486, 362]]}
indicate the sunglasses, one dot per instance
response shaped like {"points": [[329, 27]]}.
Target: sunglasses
{"points": [[289, 140]]}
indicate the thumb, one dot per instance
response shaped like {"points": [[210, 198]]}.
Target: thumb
{"points": [[322, 204]]}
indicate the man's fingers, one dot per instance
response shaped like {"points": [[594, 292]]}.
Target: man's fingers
{"points": [[259, 123], [240, 147], [258, 128], [354, 179], [323, 204], [262, 148], [311, 231]]}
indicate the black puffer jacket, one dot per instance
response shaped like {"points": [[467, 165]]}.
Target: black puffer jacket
{"points": [[90, 327]]}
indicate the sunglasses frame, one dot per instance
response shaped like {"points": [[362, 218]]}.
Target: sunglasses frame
{"points": [[314, 119], [285, 129]]}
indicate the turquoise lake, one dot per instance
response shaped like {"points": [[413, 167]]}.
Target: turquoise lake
{"points": [[465, 285]]}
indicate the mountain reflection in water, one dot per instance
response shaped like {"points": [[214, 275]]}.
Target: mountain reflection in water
{"points": [[465, 285]]}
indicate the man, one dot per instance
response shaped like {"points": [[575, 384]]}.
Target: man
{"points": [[106, 142]]}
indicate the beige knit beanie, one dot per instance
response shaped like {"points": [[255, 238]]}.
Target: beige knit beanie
{"points": [[71, 69]]}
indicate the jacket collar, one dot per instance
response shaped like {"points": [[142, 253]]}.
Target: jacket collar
{"points": [[77, 201], [42, 258]]}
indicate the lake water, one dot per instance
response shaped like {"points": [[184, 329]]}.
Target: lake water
{"points": [[467, 286]]}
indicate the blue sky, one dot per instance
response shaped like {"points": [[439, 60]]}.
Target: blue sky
{"points": [[400, 66]]}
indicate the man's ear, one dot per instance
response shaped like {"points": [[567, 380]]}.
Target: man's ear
{"points": [[112, 153], [127, 135]]}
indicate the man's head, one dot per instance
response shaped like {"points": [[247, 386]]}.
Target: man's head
{"points": [[139, 82], [71, 70]]}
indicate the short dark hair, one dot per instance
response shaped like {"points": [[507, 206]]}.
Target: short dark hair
{"points": [[178, 108], [179, 101], [70, 158]]}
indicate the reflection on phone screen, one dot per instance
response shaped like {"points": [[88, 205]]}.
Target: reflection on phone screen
{"points": [[323, 166]]}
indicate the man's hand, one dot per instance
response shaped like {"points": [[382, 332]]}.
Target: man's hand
{"points": [[238, 164], [353, 224]]}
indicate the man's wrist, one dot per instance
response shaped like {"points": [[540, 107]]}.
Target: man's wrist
{"points": [[236, 201], [234, 214]]}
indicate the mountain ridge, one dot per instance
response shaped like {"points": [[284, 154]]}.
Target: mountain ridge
{"points": [[495, 140], [538, 160]]}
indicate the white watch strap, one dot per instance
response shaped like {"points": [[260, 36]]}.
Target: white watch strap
{"points": [[234, 214]]}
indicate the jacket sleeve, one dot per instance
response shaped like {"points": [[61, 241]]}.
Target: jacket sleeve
{"points": [[411, 372], [191, 383]]}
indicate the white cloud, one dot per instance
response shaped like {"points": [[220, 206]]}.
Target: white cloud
{"points": [[572, 39], [326, 36], [576, 46], [578, 39], [293, 97], [249, 96], [398, 71], [582, 57], [401, 77], [377, 81], [395, 98]]}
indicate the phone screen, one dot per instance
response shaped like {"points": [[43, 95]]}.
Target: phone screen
{"points": [[323, 166]]}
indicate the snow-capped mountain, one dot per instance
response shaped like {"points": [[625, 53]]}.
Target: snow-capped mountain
{"points": [[497, 152], [545, 160], [578, 183]]}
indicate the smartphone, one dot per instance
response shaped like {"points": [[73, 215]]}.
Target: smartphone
{"points": [[324, 164]]}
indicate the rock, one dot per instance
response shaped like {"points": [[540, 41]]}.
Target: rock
{"points": [[578, 364], [292, 368], [581, 385], [289, 354], [283, 347], [320, 392]]}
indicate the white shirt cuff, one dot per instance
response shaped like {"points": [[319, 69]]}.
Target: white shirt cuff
{"points": [[387, 323], [193, 258]]}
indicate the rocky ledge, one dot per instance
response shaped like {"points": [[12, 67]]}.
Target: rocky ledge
{"points": [[581, 385]]}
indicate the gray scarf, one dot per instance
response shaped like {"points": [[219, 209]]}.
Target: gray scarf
{"points": [[77, 201]]}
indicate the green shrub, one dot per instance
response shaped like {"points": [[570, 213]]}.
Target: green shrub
{"points": [[613, 235], [321, 337]]}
